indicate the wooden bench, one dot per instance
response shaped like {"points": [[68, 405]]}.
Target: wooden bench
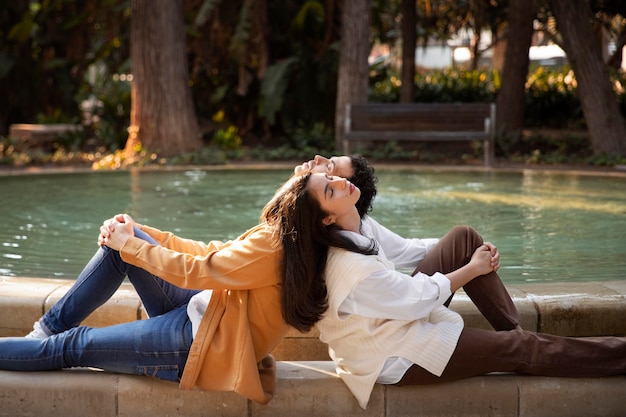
{"points": [[422, 122], [33, 136]]}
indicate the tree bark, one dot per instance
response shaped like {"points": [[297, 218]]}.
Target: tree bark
{"points": [[407, 78], [163, 118], [354, 48], [598, 100], [510, 102]]}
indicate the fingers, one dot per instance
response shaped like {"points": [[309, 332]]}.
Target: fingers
{"points": [[492, 248], [495, 255], [124, 223], [108, 227]]}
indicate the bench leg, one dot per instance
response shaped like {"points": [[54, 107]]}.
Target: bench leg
{"points": [[488, 153]]}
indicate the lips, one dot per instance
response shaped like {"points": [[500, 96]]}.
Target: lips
{"points": [[351, 188]]}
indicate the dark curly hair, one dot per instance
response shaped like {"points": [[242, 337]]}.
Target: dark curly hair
{"points": [[363, 177]]}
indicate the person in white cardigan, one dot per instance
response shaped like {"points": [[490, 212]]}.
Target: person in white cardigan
{"points": [[386, 326]]}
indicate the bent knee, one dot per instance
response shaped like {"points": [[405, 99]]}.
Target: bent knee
{"points": [[465, 230]]}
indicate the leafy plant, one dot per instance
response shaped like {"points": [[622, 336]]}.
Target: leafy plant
{"points": [[227, 139]]}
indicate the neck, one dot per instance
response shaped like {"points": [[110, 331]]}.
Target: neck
{"points": [[351, 221]]}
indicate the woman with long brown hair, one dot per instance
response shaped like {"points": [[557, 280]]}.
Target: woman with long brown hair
{"points": [[384, 326], [215, 310]]}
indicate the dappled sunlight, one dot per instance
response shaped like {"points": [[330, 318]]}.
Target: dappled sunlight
{"points": [[538, 201]]}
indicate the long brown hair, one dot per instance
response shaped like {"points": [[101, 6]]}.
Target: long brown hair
{"points": [[296, 217]]}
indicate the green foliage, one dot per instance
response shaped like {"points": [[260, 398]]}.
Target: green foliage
{"points": [[104, 101], [551, 95], [447, 86], [552, 99], [390, 151], [227, 139], [273, 87], [300, 144], [455, 85], [46, 50], [209, 155], [549, 147], [274, 78], [319, 136]]}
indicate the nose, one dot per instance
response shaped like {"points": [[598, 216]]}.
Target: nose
{"points": [[341, 182], [317, 159]]}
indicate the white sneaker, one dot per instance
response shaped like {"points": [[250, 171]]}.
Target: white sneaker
{"points": [[38, 332]]}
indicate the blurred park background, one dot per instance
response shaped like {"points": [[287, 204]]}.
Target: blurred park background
{"points": [[211, 81]]}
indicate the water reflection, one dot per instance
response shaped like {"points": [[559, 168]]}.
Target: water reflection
{"points": [[548, 227]]}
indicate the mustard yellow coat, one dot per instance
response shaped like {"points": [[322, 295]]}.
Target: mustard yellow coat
{"points": [[243, 321]]}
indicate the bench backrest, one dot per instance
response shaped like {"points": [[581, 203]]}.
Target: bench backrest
{"points": [[385, 117]]}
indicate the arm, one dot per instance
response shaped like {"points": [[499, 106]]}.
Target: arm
{"points": [[382, 292], [388, 294], [403, 252], [165, 239], [480, 264], [251, 261]]}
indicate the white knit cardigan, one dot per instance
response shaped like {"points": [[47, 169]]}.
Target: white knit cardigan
{"points": [[361, 345]]}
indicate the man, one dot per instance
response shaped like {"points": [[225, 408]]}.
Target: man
{"points": [[354, 168]]}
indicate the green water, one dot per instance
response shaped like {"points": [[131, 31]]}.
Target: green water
{"points": [[549, 227]]}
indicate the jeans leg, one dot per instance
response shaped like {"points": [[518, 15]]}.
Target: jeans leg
{"points": [[479, 352], [157, 295], [99, 280], [155, 347], [487, 292]]}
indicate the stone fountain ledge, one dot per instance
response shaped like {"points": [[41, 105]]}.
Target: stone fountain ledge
{"points": [[307, 383]]}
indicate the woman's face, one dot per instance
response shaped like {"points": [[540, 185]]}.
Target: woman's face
{"points": [[338, 166], [337, 196]]}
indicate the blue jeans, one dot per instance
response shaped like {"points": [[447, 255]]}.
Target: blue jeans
{"points": [[157, 347]]}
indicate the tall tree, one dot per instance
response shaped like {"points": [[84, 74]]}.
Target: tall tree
{"points": [[599, 103], [354, 48], [409, 37], [163, 118], [510, 102]]}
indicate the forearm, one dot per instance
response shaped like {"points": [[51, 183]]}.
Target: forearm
{"points": [[171, 241], [461, 276]]}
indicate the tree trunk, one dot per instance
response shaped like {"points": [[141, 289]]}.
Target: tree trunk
{"points": [[163, 118], [511, 97], [407, 78], [499, 47], [354, 48], [599, 104]]}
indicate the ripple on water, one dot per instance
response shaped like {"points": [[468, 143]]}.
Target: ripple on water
{"points": [[548, 227]]}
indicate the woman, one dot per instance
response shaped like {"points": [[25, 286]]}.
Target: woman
{"points": [[385, 326], [215, 309]]}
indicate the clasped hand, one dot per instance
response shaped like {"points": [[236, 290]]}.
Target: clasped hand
{"points": [[486, 258], [116, 231]]}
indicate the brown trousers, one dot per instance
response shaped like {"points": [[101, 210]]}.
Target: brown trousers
{"points": [[509, 348]]}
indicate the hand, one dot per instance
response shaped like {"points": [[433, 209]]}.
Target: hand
{"points": [[495, 256], [116, 231], [482, 260]]}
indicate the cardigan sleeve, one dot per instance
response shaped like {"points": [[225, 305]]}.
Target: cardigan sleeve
{"points": [[403, 252], [249, 262], [171, 241], [379, 291]]}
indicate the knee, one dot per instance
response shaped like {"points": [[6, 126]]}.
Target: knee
{"points": [[467, 233]]}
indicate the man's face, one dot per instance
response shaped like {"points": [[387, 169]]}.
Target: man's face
{"points": [[338, 166]]}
